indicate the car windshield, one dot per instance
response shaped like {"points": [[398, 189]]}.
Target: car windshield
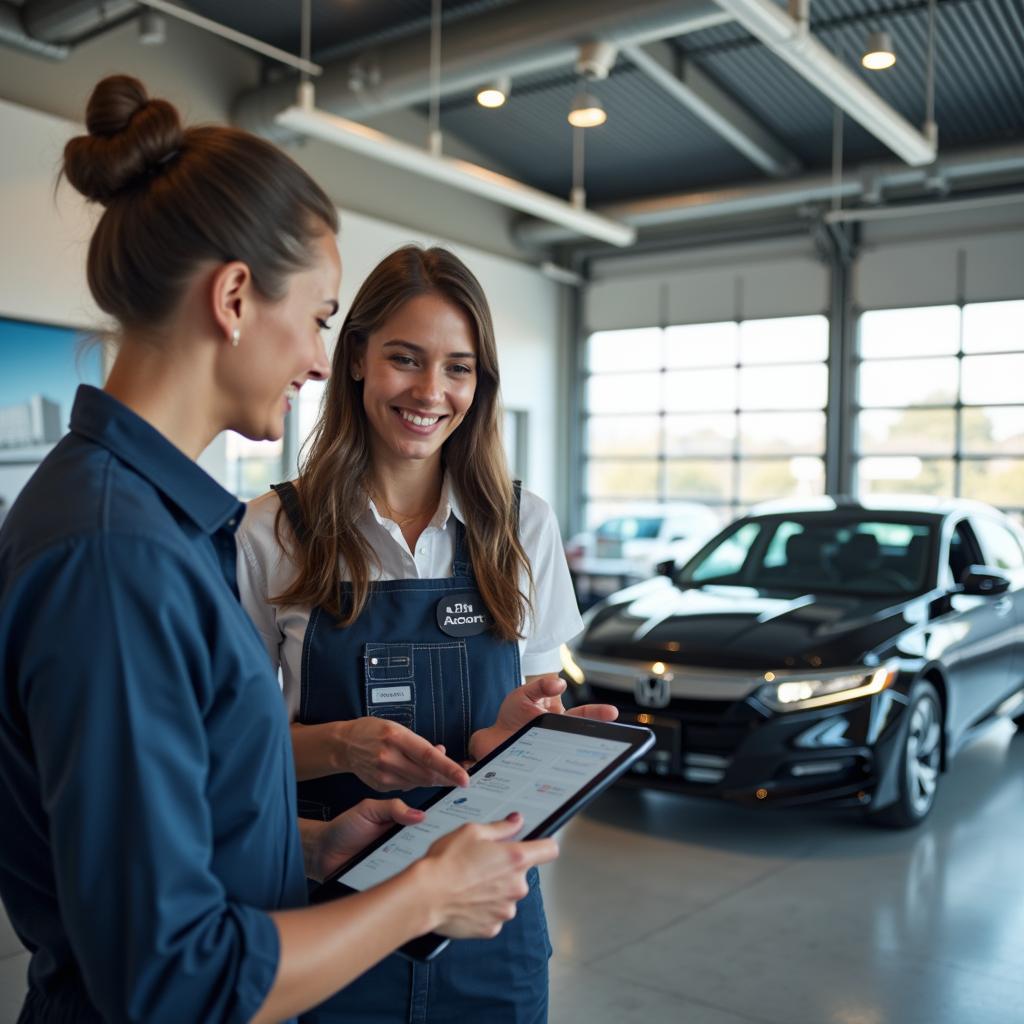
{"points": [[822, 552], [630, 528]]}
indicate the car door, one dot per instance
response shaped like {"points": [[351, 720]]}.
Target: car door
{"points": [[1003, 551], [977, 635]]}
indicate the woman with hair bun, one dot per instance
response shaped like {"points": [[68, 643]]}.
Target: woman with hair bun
{"points": [[407, 587], [151, 860]]}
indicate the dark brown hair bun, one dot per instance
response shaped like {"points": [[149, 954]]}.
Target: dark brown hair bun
{"points": [[131, 137]]}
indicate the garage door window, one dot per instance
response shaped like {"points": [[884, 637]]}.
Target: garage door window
{"points": [[940, 404], [726, 414]]}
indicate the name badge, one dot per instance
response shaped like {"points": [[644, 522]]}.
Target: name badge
{"points": [[463, 615], [390, 694]]}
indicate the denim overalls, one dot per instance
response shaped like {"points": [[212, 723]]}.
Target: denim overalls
{"points": [[397, 661]]}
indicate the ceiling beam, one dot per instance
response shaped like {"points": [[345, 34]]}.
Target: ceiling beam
{"points": [[790, 40], [687, 84], [520, 39]]}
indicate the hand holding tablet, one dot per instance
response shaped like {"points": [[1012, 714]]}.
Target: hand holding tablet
{"points": [[546, 772]]}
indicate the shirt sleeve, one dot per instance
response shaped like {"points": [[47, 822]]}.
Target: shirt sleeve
{"points": [[556, 617], [253, 586], [116, 711]]}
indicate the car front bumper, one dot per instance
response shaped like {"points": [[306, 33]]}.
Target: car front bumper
{"points": [[846, 754]]}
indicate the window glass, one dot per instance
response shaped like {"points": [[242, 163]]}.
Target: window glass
{"points": [[252, 466], [901, 382], [693, 390], [707, 434], [924, 331], [792, 339], [802, 433], [1000, 546], [907, 431], [994, 326], [765, 479], [630, 528], [700, 479], [803, 386], [619, 478], [608, 436], [624, 392], [639, 349], [1000, 482], [999, 429], [701, 345], [906, 474], [727, 558], [993, 379]]}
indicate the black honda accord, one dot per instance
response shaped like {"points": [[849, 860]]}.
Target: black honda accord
{"points": [[837, 652]]}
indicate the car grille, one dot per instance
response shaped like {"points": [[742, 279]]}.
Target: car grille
{"points": [[695, 738]]}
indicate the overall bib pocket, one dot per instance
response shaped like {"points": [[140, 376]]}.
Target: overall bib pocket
{"points": [[424, 687]]}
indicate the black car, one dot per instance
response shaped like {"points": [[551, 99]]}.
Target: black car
{"points": [[837, 652]]}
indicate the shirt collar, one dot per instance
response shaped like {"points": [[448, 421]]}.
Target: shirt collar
{"points": [[448, 505], [106, 421]]}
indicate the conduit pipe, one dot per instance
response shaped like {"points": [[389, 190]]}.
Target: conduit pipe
{"points": [[811, 60], [13, 34], [523, 38], [866, 181]]}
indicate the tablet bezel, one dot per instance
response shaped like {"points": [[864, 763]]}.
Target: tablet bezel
{"points": [[427, 946]]}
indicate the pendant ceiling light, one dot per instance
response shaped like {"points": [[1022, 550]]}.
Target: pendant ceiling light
{"points": [[494, 94], [586, 111], [879, 53]]}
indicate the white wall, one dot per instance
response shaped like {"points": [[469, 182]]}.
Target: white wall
{"points": [[42, 277]]}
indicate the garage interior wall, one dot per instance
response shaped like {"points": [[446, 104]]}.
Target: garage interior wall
{"points": [[45, 239]]}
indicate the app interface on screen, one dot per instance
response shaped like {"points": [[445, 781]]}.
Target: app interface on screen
{"points": [[534, 776]]}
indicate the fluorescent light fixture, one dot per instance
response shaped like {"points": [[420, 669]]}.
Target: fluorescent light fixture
{"points": [[494, 94], [586, 111], [842, 85], [305, 119], [878, 53]]}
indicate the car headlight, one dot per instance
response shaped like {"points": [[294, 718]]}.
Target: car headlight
{"points": [[799, 694], [569, 666]]}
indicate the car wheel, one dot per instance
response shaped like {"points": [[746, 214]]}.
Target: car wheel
{"points": [[921, 760]]}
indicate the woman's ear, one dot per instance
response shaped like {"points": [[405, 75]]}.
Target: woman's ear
{"points": [[231, 295]]}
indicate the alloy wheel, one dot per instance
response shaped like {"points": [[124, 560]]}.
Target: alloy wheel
{"points": [[923, 754]]}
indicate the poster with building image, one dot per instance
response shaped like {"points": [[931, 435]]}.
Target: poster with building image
{"points": [[41, 367]]}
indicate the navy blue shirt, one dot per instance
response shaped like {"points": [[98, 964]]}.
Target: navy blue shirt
{"points": [[146, 779]]}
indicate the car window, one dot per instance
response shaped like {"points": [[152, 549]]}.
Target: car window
{"points": [[841, 553], [999, 545], [630, 528], [963, 551], [727, 558]]}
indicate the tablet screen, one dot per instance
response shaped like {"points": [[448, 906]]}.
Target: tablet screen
{"points": [[538, 773]]}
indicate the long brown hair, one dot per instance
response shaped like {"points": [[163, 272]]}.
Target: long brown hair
{"points": [[178, 197], [333, 481]]}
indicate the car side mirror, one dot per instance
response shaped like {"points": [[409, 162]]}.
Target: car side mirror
{"points": [[982, 581], [666, 568]]}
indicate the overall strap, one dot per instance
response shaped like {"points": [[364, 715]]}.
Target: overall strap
{"points": [[460, 561], [289, 499]]}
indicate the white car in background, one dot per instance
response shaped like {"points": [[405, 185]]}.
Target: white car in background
{"points": [[629, 547]]}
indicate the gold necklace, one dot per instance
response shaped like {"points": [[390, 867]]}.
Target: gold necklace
{"points": [[401, 521]]}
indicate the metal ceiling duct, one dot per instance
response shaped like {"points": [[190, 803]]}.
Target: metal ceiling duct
{"points": [[68, 21], [13, 34], [789, 39], [523, 38], [869, 181]]}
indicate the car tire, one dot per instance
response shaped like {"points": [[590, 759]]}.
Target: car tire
{"points": [[920, 761]]}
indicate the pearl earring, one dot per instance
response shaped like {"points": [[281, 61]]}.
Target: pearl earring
{"points": [[357, 376], [236, 337]]}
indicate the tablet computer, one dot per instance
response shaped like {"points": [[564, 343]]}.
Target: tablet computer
{"points": [[547, 772]]}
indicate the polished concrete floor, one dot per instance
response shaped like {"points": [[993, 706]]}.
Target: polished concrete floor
{"points": [[667, 909]]}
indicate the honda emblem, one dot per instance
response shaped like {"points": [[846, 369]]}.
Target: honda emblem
{"points": [[653, 691]]}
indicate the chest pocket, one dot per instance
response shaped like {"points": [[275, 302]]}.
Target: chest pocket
{"points": [[425, 687]]}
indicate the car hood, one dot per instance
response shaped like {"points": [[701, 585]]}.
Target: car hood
{"points": [[743, 627]]}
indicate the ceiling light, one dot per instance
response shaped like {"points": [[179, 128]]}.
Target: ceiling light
{"points": [[586, 111], [152, 29], [494, 94], [879, 53]]}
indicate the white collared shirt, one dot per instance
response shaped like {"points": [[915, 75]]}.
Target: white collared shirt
{"points": [[264, 569]]}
